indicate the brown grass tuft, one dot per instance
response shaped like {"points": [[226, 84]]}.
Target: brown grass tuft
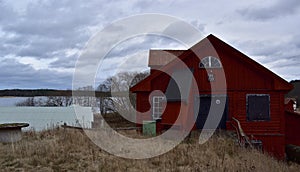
{"points": [[68, 150]]}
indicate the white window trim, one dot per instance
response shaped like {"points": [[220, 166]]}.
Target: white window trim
{"points": [[155, 109], [209, 58]]}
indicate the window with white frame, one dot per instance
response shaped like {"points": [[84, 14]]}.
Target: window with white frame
{"points": [[210, 62], [157, 107]]}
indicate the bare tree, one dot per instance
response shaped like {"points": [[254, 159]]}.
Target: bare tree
{"points": [[58, 101], [105, 103], [46, 101], [122, 82], [27, 102], [85, 100]]}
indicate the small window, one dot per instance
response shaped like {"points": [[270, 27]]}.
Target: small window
{"points": [[210, 62], [258, 107], [157, 107]]}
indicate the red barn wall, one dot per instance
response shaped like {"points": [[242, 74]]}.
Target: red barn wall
{"points": [[292, 128], [142, 106], [273, 145], [238, 109], [171, 113], [242, 78]]}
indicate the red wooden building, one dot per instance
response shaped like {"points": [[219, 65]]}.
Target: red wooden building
{"points": [[292, 122], [252, 94]]}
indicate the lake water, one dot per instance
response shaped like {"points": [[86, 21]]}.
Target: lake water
{"points": [[11, 101], [41, 118]]}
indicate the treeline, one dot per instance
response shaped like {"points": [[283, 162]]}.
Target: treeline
{"points": [[52, 101], [51, 92], [34, 92], [112, 95]]}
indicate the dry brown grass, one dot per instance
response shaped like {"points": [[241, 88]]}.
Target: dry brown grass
{"points": [[60, 150]]}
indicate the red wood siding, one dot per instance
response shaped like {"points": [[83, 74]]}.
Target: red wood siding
{"points": [[273, 144], [238, 109], [161, 82], [171, 113], [142, 106], [243, 76], [239, 75], [292, 128]]}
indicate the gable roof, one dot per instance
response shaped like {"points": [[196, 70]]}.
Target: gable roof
{"points": [[288, 100], [158, 58], [219, 45], [279, 83]]}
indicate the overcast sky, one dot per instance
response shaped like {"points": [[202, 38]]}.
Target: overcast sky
{"points": [[40, 41]]}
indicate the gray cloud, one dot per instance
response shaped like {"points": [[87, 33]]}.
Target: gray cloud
{"points": [[47, 31], [296, 40], [259, 48], [7, 13], [286, 62], [49, 26], [17, 75], [142, 43], [64, 62], [280, 8]]}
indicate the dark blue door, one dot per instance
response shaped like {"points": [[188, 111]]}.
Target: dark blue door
{"points": [[216, 105]]}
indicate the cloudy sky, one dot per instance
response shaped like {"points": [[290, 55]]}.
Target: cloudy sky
{"points": [[40, 40]]}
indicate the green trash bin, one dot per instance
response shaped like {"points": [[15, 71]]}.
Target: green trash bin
{"points": [[149, 128]]}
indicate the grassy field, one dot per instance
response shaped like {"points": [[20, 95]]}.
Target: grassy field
{"points": [[69, 150]]}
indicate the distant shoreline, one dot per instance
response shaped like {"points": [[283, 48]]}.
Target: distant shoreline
{"points": [[66, 93]]}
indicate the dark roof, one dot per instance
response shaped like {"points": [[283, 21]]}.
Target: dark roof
{"points": [[159, 58]]}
